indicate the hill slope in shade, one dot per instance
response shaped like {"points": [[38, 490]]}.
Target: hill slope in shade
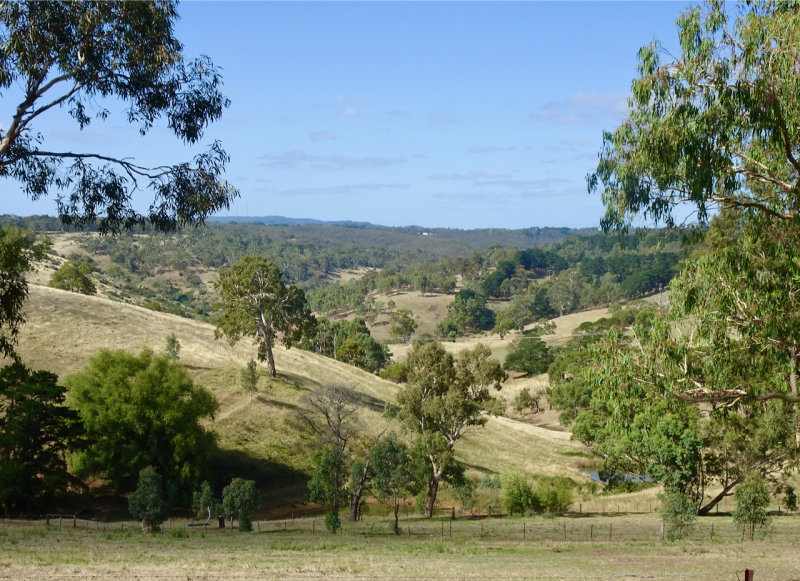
{"points": [[65, 329]]}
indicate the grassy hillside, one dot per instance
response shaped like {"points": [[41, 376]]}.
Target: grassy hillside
{"points": [[65, 329]]}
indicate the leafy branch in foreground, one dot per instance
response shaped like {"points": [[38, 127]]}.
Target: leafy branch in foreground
{"points": [[72, 56]]}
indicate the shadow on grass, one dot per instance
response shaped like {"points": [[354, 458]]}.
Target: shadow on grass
{"points": [[279, 484]]}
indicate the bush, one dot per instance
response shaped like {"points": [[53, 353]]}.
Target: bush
{"points": [[239, 500], [146, 503], [678, 513], [332, 522], [518, 494], [752, 499], [555, 494], [396, 372]]}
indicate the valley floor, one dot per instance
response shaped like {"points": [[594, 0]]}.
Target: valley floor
{"points": [[627, 546]]}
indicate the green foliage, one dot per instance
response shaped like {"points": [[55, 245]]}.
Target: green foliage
{"points": [[525, 401], [328, 477], [467, 313], [403, 324], [348, 341], [789, 499], [254, 302], [36, 433], [19, 250], [140, 411], [445, 397], [555, 494], [240, 499], [204, 504], [396, 372], [679, 514], [70, 56], [531, 355], [146, 503], [392, 474], [74, 276], [173, 347], [716, 127], [518, 494], [248, 378], [752, 499], [332, 522]]}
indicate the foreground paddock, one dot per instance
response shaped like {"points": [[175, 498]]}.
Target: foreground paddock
{"points": [[598, 547]]}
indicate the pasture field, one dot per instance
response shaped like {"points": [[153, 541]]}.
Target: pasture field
{"points": [[621, 546]]}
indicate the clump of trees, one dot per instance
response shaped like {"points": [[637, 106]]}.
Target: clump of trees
{"points": [[546, 495]]}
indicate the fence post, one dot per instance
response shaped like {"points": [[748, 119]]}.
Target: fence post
{"points": [[748, 575], [451, 529], [565, 531], [523, 530], [74, 521], [591, 532], [610, 531], [712, 531]]}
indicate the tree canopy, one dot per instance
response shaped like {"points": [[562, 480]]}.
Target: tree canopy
{"points": [[74, 276], [142, 410], [73, 56], [445, 397], [36, 433], [718, 127], [19, 250], [255, 302]]}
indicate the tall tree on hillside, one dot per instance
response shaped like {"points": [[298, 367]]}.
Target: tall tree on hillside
{"points": [[445, 397], [69, 56], [255, 302]]}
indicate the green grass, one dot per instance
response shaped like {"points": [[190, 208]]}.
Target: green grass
{"points": [[571, 547]]}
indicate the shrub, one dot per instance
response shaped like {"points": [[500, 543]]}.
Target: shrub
{"points": [[752, 499], [555, 494], [678, 513], [332, 522], [518, 494], [146, 503]]}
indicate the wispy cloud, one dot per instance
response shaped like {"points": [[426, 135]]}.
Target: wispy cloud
{"points": [[297, 159], [470, 176], [322, 136], [341, 189], [488, 149], [583, 108]]}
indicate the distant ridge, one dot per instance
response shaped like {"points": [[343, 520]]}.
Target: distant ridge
{"points": [[284, 221]]}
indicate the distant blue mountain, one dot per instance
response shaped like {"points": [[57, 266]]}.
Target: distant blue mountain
{"points": [[284, 221]]}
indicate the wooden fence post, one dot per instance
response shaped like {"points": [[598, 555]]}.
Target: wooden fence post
{"points": [[748, 575]]}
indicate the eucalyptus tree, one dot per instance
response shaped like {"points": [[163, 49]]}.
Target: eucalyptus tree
{"points": [[71, 57], [444, 398], [255, 302]]}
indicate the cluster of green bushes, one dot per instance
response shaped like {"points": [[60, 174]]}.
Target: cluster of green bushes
{"points": [[545, 495]]}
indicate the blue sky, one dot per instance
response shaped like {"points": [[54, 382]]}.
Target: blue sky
{"points": [[446, 114]]}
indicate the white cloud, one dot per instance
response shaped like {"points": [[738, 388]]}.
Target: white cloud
{"points": [[341, 189], [322, 136], [295, 159], [583, 109]]}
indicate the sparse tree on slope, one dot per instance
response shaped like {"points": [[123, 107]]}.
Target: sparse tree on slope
{"points": [[255, 302]]}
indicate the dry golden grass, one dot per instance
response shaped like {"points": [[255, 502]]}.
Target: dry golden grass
{"points": [[65, 329], [573, 547]]}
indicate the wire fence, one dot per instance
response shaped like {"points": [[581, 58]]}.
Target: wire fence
{"points": [[569, 528]]}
